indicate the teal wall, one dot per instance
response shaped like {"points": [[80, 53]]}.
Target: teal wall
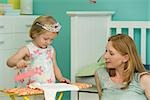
{"points": [[3, 1], [149, 9]]}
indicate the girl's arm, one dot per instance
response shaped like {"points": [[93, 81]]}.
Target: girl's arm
{"points": [[145, 83], [98, 85], [18, 58], [57, 71]]}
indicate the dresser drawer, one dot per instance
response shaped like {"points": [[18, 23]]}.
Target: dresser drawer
{"points": [[14, 32], [7, 74], [9, 24], [6, 25], [21, 39], [23, 24], [11, 41]]}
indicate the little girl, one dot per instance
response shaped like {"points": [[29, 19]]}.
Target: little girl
{"points": [[40, 53]]}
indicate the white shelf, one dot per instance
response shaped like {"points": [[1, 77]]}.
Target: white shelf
{"points": [[90, 13], [89, 33]]}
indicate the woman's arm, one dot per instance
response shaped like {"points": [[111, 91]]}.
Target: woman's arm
{"points": [[18, 58], [98, 85], [145, 83]]}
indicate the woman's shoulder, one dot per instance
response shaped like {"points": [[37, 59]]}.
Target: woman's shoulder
{"points": [[101, 69], [144, 82], [144, 79], [140, 76], [141, 79], [143, 76], [102, 72]]}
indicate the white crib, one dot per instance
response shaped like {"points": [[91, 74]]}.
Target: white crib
{"points": [[131, 26]]}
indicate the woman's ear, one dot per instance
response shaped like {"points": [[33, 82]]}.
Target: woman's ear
{"points": [[126, 58]]}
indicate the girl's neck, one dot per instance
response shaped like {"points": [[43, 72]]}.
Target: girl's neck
{"points": [[35, 44]]}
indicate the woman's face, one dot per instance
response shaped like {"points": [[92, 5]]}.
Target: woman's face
{"points": [[44, 40], [113, 58]]}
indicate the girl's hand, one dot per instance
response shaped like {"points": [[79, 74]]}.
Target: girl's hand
{"points": [[22, 64], [65, 80]]}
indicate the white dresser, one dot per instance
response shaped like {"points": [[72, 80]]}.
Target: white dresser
{"points": [[89, 33], [14, 33]]}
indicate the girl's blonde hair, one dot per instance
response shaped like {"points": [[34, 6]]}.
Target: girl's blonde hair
{"points": [[36, 29], [124, 44]]}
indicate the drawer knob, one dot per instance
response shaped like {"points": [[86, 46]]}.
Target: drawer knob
{"points": [[1, 26], [1, 42], [29, 25], [27, 41]]}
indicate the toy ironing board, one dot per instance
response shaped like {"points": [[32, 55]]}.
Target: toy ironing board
{"points": [[49, 90], [21, 92]]}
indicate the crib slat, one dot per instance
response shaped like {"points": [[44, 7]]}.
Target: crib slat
{"points": [[143, 45], [143, 25], [118, 30], [131, 33]]}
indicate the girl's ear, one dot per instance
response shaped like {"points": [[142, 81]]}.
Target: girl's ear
{"points": [[126, 58], [34, 35]]}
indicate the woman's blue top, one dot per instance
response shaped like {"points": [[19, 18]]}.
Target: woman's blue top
{"points": [[113, 91]]}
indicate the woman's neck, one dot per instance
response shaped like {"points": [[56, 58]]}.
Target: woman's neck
{"points": [[119, 77]]}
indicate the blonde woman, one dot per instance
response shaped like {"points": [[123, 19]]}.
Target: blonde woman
{"points": [[124, 77]]}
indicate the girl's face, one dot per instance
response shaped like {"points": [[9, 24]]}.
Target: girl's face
{"points": [[44, 40], [113, 58]]}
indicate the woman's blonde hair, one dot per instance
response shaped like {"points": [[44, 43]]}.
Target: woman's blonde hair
{"points": [[36, 29], [124, 44]]}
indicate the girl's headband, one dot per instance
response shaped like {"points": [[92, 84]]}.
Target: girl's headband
{"points": [[50, 27]]}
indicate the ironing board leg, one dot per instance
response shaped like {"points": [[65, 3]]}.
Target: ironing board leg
{"points": [[60, 96], [25, 98], [12, 97]]}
